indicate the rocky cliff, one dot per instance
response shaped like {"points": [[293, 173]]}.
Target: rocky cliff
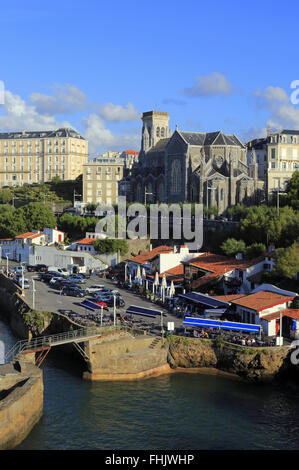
{"points": [[253, 364]]}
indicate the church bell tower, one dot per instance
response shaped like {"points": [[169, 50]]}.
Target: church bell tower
{"points": [[155, 127]]}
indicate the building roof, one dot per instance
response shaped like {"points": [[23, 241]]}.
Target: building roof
{"points": [[210, 138], [160, 145], [262, 300], [147, 256], [229, 298], [287, 312], [37, 235], [25, 235], [62, 132], [131, 152], [86, 241], [217, 265]]}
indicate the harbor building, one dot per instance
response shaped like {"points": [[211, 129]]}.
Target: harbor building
{"points": [[36, 157]]}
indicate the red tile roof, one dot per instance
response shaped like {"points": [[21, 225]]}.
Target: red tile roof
{"points": [[217, 265], [131, 152], [25, 235], [229, 298], [143, 258], [86, 241], [262, 300], [36, 235], [287, 312]]}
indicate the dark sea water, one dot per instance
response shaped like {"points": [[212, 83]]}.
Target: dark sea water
{"points": [[171, 412]]}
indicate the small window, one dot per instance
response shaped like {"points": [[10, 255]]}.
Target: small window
{"points": [[158, 132]]}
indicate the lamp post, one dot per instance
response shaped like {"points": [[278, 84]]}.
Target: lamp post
{"points": [[278, 192], [33, 294], [114, 309], [209, 188], [145, 194], [7, 263], [76, 194]]}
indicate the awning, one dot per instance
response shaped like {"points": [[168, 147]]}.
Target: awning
{"points": [[223, 325], [147, 312], [202, 299], [90, 305]]}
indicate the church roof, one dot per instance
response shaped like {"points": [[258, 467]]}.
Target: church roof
{"points": [[160, 145], [211, 138]]}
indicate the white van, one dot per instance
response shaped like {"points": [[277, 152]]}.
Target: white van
{"points": [[54, 269]]}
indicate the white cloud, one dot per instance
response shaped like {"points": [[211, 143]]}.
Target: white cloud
{"points": [[116, 113], [21, 116], [66, 99], [101, 138], [210, 85], [283, 114]]}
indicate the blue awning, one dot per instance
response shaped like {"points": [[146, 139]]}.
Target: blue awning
{"points": [[191, 321], [148, 312], [90, 305], [223, 325], [203, 299]]}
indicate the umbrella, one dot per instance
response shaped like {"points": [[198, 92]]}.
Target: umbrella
{"points": [[171, 290], [143, 273], [163, 286], [156, 281], [138, 276]]}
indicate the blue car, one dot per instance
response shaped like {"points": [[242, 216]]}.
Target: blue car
{"points": [[77, 279]]}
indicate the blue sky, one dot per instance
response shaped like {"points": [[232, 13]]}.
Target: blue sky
{"points": [[98, 65]]}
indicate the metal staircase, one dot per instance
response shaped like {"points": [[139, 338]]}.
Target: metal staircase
{"points": [[43, 344]]}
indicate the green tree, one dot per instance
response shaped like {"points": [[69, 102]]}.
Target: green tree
{"points": [[231, 246], [5, 196], [111, 245], [37, 216], [255, 250], [292, 196], [287, 262]]}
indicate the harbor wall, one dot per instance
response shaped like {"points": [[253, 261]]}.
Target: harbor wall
{"points": [[21, 402]]}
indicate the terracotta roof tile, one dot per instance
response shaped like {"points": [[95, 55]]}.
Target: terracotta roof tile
{"points": [[143, 258], [25, 235], [229, 298], [262, 300], [86, 241]]}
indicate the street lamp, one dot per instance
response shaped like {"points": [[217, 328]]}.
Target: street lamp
{"points": [[278, 192], [146, 193], [209, 188], [114, 313], [7, 263]]}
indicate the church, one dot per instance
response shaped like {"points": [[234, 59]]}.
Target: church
{"points": [[209, 168]]}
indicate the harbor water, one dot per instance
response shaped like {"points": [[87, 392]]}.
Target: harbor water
{"points": [[178, 411]]}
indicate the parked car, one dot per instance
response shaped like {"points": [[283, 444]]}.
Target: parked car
{"points": [[118, 302], [20, 269], [73, 291], [62, 271], [41, 268], [94, 288], [31, 268], [26, 283], [101, 292], [76, 279]]}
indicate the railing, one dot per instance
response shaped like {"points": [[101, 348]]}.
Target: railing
{"points": [[52, 340]]}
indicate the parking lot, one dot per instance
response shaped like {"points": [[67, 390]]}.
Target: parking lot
{"points": [[47, 298]]}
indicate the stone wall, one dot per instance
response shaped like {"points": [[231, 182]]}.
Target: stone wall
{"points": [[21, 402], [122, 356]]}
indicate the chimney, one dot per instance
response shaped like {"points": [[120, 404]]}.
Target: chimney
{"points": [[268, 131]]}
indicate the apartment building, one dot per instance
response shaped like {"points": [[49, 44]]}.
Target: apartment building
{"points": [[277, 157], [37, 157], [101, 179]]}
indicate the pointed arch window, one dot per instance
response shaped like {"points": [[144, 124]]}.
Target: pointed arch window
{"points": [[176, 176]]}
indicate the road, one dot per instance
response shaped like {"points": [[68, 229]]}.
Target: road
{"points": [[49, 299]]}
